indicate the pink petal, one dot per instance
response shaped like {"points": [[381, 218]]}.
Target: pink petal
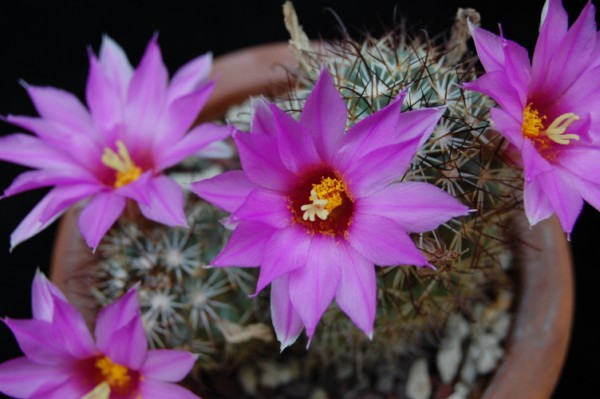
{"points": [[70, 330], [313, 286], [357, 291], [180, 116], [497, 85], [537, 206], [582, 96], [377, 169], [508, 126], [116, 65], [128, 345], [324, 116], [32, 223], [33, 179], [21, 377], [296, 147], [489, 47], [563, 197], [265, 207], [27, 150], [286, 321], [416, 207], [227, 190], [260, 159], [197, 138], [137, 190], [104, 97], [62, 107], [43, 295], [588, 190], [146, 98], [38, 341], [151, 389], [533, 162], [190, 77], [287, 250], [383, 242], [580, 160], [246, 246], [167, 365], [554, 25], [65, 197], [263, 121], [71, 388], [518, 67], [99, 215], [564, 60], [166, 202], [114, 317]]}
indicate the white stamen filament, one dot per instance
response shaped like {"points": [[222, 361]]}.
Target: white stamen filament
{"points": [[556, 130], [317, 207]]}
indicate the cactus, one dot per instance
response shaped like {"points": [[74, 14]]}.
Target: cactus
{"points": [[206, 310]]}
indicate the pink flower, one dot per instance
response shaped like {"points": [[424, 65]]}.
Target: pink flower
{"points": [[549, 110], [62, 361], [317, 208], [136, 127]]}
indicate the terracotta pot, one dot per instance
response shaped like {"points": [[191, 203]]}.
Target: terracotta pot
{"points": [[540, 334]]}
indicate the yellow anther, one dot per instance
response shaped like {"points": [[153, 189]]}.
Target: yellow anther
{"points": [[317, 207], [330, 189], [532, 122], [125, 170], [116, 375]]}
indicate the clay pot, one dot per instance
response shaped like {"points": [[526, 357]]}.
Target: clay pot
{"points": [[540, 334]]}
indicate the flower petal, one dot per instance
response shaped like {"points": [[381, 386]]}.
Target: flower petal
{"points": [[151, 389], [265, 207], [116, 65], [313, 286], [33, 179], [70, 388], [128, 345], [554, 26], [286, 321], [533, 162], [99, 215], [166, 202], [580, 161], [497, 85], [357, 291], [324, 116], [506, 124], [563, 197], [260, 159], [537, 206], [38, 342], [146, 98], [190, 77], [27, 150], [383, 242], [43, 295], [59, 199], [104, 97], [21, 377], [167, 365], [416, 207], [286, 251], [246, 246], [114, 317], [70, 330], [62, 107], [227, 190], [489, 48], [196, 139]]}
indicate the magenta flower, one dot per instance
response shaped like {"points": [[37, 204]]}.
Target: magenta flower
{"points": [[136, 127], [62, 361], [549, 110], [317, 208]]}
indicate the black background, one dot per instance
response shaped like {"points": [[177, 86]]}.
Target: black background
{"points": [[44, 43]]}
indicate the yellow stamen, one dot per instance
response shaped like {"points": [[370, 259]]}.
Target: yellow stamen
{"points": [[126, 171], [330, 190], [116, 375], [101, 391], [533, 127], [317, 207]]}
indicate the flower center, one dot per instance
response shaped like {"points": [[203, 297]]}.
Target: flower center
{"points": [[116, 375], [329, 208], [545, 138], [125, 170]]}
